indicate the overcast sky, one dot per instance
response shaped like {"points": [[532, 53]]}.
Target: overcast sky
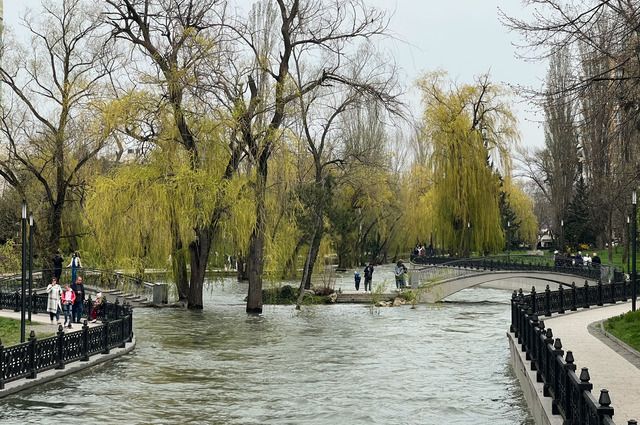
{"points": [[463, 37]]}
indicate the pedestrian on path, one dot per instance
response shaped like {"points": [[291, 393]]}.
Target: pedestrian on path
{"points": [[75, 264], [368, 277], [54, 306], [68, 298], [356, 278], [78, 305]]}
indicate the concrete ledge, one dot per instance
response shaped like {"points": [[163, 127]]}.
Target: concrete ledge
{"points": [[76, 366], [539, 405]]}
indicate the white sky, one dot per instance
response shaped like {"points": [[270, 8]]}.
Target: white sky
{"points": [[462, 37]]}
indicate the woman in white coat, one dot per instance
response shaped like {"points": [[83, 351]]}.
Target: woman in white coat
{"points": [[53, 301]]}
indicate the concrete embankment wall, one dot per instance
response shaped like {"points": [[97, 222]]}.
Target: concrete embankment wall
{"points": [[539, 405]]}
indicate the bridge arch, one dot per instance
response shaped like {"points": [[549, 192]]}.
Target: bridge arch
{"points": [[437, 290]]}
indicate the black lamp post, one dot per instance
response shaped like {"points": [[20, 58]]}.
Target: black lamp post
{"points": [[509, 241], [24, 272], [634, 237], [628, 245], [31, 229]]}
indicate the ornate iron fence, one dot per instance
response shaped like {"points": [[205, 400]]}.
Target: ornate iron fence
{"points": [[555, 369], [28, 359]]}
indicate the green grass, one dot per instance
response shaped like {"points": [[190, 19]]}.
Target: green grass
{"points": [[625, 327], [10, 331]]}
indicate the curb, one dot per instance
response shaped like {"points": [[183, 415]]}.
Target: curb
{"points": [[625, 350]]}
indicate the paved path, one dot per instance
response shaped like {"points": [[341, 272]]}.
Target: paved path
{"points": [[608, 363], [41, 324]]}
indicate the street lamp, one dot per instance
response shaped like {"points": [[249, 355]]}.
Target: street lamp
{"points": [[31, 229], [561, 236], [24, 271], [628, 245], [634, 237], [469, 232], [509, 241]]}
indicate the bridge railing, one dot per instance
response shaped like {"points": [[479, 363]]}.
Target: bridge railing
{"points": [[34, 356], [571, 393], [99, 278], [521, 263]]}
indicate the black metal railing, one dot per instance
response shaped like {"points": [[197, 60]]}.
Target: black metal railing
{"points": [[520, 263], [570, 392], [104, 279], [34, 356]]}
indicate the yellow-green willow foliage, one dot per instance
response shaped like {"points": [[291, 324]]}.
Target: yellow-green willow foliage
{"points": [[418, 218], [470, 129], [522, 206], [137, 210], [282, 204]]}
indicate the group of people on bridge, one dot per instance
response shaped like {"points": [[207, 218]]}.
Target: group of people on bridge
{"points": [[578, 260]]}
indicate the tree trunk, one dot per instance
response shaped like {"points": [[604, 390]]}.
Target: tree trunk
{"points": [[305, 282], [255, 265], [289, 269], [199, 253], [179, 261], [243, 276]]}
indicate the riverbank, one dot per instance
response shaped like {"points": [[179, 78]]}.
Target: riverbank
{"points": [[611, 365]]}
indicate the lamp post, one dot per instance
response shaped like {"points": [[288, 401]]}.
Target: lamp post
{"points": [[628, 245], [508, 241], [24, 271], [31, 228], [469, 232], [562, 236], [634, 237]]}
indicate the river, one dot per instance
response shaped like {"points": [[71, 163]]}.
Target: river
{"points": [[339, 364]]}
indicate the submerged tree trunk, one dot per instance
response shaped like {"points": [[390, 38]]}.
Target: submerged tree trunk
{"points": [[255, 264], [305, 282], [178, 260], [199, 253]]}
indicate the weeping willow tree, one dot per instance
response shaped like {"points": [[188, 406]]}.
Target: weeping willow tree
{"points": [[470, 128], [141, 212]]}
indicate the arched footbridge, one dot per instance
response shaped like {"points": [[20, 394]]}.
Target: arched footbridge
{"points": [[443, 278]]}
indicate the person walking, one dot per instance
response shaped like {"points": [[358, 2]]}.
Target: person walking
{"points": [[68, 298], [368, 277], [78, 305], [57, 261], [400, 271], [54, 292], [356, 278], [595, 260], [75, 264]]}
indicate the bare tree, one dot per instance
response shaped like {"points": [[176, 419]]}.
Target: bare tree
{"points": [[55, 87]]}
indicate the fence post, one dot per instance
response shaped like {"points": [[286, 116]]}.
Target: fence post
{"points": [[604, 400], [33, 372], [600, 292], [34, 303], [530, 354], [533, 300], [624, 290], [547, 301], [16, 306], [1, 365], [574, 297], [85, 342], [105, 336], [569, 367], [514, 297], [130, 319], [117, 309], [60, 347], [585, 304], [561, 299], [123, 337]]}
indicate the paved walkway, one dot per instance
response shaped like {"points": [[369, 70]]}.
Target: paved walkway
{"points": [[41, 324], [610, 365]]}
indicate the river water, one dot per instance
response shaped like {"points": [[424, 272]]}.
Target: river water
{"points": [[338, 364]]}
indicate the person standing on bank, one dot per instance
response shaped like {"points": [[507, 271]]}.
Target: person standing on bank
{"points": [[400, 272], [357, 278], [75, 264], [54, 292], [368, 276], [57, 261], [78, 305]]}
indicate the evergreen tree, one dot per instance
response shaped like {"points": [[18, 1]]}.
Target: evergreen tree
{"points": [[578, 227]]}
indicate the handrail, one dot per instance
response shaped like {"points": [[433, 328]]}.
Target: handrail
{"points": [[511, 263], [27, 359], [571, 392]]}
